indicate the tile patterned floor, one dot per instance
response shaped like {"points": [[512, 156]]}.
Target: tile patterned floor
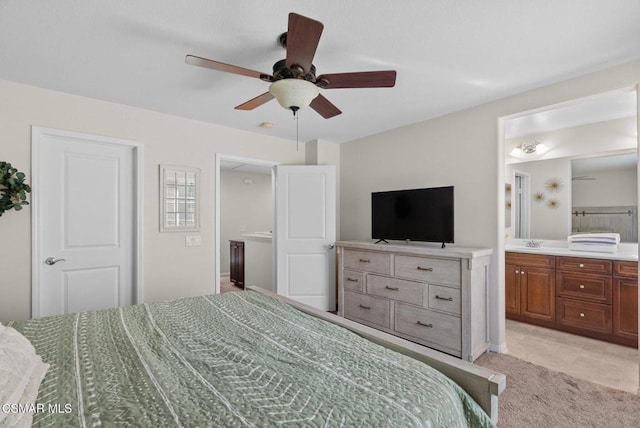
{"points": [[593, 360]]}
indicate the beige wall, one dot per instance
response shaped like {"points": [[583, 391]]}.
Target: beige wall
{"points": [[170, 269], [460, 149], [548, 222]]}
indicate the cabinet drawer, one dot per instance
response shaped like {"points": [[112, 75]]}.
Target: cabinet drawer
{"points": [[535, 260], [444, 299], [353, 280], [629, 269], [396, 289], [367, 261], [426, 269], [362, 307], [584, 265], [589, 316], [596, 288], [428, 325]]}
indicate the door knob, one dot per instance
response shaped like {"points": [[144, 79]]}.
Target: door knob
{"points": [[331, 246], [52, 260]]}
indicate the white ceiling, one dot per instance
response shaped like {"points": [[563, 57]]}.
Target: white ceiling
{"points": [[449, 55]]}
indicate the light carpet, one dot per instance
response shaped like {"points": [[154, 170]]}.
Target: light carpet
{"points": [[538, 397]]}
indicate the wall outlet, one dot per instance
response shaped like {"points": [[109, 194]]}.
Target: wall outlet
{"points": [[192, 241]]}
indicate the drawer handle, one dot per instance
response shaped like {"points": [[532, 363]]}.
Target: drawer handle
{"points": [[582, 286], [423, 324], [448, 299], [582, 314], [427, 269], [365, 260], [365, 307], [352, 279], [391, 288]]}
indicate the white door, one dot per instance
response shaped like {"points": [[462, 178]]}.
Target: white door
{"points": [[84, 224], [305, 234]]}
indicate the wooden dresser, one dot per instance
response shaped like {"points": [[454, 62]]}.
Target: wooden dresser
{"points": [[432, 296], [586, 296]]}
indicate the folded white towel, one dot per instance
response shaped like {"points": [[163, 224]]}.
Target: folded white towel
{"points": [[595, 238], [598, 248]]}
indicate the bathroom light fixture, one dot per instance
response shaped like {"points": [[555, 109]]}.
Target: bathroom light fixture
{"points": [[528, 149], [294, 94]]}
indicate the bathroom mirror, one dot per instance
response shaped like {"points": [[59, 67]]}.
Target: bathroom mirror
{"points": [[579, 158]]}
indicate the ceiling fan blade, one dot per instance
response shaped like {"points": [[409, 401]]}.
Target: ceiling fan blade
{"points": [[303, 36], [362, 79], [255, 102], [324, 107], [221, 66]]}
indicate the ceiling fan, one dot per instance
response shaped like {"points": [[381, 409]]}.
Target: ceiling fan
{"points": [[294, 82]]}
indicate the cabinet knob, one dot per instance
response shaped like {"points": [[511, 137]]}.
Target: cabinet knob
{"points": [[582, 286], [581, 264], [521, 272], [582, 314], [517, 271]]}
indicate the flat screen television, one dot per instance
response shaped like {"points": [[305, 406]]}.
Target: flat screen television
{"points": [[416, 215]]}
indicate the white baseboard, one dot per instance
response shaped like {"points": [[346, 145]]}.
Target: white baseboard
{"points": [[225, 274], [499, 349]]}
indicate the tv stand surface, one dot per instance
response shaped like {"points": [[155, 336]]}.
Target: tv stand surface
{"points": [[433, 296], [382, 240]]}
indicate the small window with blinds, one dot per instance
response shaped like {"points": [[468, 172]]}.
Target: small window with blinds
{"points": [[179, 194]]}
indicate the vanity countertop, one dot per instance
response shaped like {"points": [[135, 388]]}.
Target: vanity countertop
{"points": [[625, 251]]}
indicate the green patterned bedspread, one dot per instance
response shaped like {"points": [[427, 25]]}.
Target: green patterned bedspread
{"points": [[234, 359]]}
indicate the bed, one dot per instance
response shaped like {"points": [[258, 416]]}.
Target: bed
{"points": [[246, 358]]}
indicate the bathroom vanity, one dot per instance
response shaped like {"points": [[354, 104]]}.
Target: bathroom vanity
{"points": [[586, 293]]}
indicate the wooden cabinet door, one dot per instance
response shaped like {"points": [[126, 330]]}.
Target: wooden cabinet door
{"points": [[538, 293], [512, 289], [236, 270], [625, 308]]}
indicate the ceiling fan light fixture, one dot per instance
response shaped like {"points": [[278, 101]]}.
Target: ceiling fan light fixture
{"points": [[294, 94]]}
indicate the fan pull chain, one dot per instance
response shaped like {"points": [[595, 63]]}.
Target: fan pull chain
{"points": [[295, 116]]}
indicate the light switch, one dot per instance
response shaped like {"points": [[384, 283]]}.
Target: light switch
{"points": [[192, 241]]}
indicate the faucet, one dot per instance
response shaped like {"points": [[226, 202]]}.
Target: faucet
{"points": [[533, 243]]}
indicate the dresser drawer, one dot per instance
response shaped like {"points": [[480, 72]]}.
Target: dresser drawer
{"points": [[440, 271], [596, 288], [629, 269], [445, 299], [584, 265], [428, 325], [367, 308], [589, 316], [396, 289], [367, 261], [353, 280]]}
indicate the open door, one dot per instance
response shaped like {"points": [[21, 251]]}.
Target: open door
{"points": [[305, 234]]}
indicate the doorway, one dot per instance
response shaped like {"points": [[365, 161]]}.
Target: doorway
{"points": [[521, 198], [245, 204], [594, 128]]}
